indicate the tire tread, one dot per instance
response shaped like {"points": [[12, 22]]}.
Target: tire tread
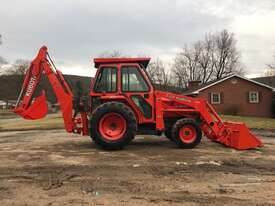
{"points": [[122, 109]]}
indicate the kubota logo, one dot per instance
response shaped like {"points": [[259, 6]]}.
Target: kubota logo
{"points": [[30, 86]]}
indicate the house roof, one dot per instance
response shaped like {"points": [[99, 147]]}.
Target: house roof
{"points": [[270, 81], [201, 87]]}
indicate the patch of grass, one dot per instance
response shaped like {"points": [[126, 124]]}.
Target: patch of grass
{"points": [[50, 122], [6, 113], [252, 122], [55, 121]]}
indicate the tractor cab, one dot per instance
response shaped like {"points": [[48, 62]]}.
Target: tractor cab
{"points": [[125, 80]]}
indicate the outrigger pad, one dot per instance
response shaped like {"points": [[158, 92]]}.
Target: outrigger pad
{"points": [[37, 110], [240, 137]]}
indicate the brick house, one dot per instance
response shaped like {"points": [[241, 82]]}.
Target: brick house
{"points": [[235, 95]]}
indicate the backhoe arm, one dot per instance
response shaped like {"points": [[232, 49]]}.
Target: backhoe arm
{"points": [[38, 108]]}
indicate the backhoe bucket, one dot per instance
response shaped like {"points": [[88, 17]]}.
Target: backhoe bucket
{"points": [[239, 137], [37, 110]]}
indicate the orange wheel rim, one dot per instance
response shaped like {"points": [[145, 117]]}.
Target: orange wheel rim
{"points": [[188, 134], [112, 126]]}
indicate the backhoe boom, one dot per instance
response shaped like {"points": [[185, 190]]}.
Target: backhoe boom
{"points": [[38, 108]]}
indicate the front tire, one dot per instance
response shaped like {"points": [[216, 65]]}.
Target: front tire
{"points": [[113, 125], [168, 128], [186, 133]]}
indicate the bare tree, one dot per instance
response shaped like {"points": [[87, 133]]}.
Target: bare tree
{"points": [[269, 72], [226, 56], [212, 58], [3, 61], [272, 65], [271, 69], [186, 65], [158, 74], [112, 54], [19, 67], [206, 58]]}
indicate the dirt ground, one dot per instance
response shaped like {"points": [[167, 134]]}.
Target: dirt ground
{"points": [[51, 167]]}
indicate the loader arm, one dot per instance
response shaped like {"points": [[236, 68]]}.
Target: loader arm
{"points": [[231, 134], [37, 109]]}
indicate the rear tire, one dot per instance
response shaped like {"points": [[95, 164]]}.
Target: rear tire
{"points": [[186, 133], [113, 125]]}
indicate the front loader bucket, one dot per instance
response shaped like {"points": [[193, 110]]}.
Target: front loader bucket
{"points": [[239, 137], [37, 110]]}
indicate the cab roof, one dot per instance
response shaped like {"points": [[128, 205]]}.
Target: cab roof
{"points": [[142, 61]]}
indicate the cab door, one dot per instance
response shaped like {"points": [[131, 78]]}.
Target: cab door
{"points": [[137, 89], [104, 85]]}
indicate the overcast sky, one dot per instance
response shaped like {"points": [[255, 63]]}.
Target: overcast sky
{"points": [[75, 31]]}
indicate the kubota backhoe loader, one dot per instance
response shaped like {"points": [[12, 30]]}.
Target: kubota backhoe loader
{"points": [[123, 102]]}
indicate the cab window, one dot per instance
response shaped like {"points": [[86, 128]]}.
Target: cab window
{"points": [[106, 80], [132, 80]]}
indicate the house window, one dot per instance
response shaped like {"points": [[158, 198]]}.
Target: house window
{"points": [[253, 97], [215, 98]]}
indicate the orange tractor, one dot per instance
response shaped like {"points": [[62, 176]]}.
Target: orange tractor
{"points": [[123, 103]]}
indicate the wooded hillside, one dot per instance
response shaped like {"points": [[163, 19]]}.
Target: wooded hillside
{"points": [[10, 86]]}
